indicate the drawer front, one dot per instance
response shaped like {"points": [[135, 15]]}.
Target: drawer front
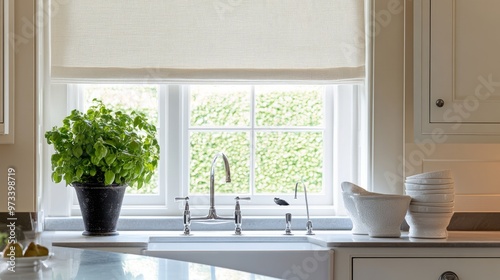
{"points": [[424, 268]]}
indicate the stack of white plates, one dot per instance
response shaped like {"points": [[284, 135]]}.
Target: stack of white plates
{"points": [[431, 207]]}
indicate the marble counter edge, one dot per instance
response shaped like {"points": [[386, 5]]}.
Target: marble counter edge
{"points": [[327, 239]]}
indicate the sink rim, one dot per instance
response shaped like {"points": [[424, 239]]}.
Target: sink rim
{"points": [[229, 239]]}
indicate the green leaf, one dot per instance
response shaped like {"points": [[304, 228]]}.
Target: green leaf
{"points": [[77, 151], [79, 173], [110, 158], [128, 165], [68, 177], [56, 177], [109, 177], [55, 158]]}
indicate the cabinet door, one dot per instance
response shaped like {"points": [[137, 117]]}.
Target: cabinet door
{"points": [[424, 268], [457, 73]]}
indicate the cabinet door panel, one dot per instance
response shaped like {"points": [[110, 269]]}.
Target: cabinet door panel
{"points": [[424, 268], [464, 61]]}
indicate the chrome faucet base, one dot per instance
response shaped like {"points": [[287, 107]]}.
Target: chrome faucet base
{"points": [[187, 230], [212, 213], [288, 224], [309, 223], [309, 228]]}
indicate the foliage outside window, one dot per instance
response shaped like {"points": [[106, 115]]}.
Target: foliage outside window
{"points": [[272, 135]]}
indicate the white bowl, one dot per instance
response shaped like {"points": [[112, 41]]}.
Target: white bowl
{"points": [[429, 181], [430, 209], [410, 186], [357, 226], [442, 174], [382, 214], [428, 225], [433, 204], [419, 192], [433, 197]]}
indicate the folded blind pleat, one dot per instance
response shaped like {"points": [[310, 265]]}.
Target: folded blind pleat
{"points": [[184, 40]]}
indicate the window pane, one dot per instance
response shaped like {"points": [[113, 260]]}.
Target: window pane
{"points": [[220, 106], [203, 148], [289, 105], [143, 98], [282, 158]]}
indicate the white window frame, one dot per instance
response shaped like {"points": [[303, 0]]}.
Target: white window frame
{"points": [[348, 155], [263, 201]]}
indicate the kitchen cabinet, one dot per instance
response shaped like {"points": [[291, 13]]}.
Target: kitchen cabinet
{"points": [[456, 73], [406, 260], [424, 268], [6, 72]]}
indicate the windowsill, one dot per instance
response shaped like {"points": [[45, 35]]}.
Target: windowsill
{"points": [[175, 223]]}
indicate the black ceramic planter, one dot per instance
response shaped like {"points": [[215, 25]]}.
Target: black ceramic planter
{"points": [[100, 206]]}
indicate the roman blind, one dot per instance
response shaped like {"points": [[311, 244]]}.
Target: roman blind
{"points": [[207, 40]]}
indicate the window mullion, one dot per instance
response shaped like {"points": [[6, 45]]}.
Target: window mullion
{"points": [[252, 141]]}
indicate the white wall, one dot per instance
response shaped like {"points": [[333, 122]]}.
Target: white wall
{"points": [[388, 95], [21, 155]]}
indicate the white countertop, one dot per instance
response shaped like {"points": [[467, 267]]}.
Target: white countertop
{"points": [[71, 263], [330, 239], [455, 239]]}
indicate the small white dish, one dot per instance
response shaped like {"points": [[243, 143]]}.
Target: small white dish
{"points": [[442, 174], [428, 225], [434, 181], [429, 209], [439, 198], [28, 261], [417, 192], [410, 186], [433, 204]]}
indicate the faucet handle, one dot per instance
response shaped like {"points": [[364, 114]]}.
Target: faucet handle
{"points": [[237, 214], [187, 215], [186, 204]]}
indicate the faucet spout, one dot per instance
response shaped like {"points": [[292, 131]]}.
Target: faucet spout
{"points": [[309, 226], [212, 214]]}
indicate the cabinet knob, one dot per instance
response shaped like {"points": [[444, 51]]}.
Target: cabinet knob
{"points": [[448, 275], [440, 103]]}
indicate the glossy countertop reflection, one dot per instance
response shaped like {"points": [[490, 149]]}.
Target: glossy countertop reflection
{"points": [[71, 263]]}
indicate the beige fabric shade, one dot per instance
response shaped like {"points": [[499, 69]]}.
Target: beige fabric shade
{"points": [[207, 40]]}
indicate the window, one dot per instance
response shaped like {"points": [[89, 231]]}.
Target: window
{"points": [[273, 136], [235, 93]]}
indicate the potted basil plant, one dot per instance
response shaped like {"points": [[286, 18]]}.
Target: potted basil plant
{"points": [[100, 153]]}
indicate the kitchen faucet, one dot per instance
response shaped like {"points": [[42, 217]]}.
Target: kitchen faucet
{"points": [[309, 225], [212, 213]]}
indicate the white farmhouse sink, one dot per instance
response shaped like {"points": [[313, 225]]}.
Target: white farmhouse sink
{"points": [[284, 257]]}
